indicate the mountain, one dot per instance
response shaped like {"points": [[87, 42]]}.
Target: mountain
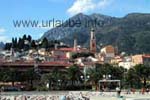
{"points": [[2, 45], [129, 34]]}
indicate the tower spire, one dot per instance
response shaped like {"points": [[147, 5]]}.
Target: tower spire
{"points": [[92, 41], [75, 42]]}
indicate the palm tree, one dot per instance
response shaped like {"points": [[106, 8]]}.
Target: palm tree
{"points": [[117, 72], [95, 76], [143, 72], [9, 75], [4, 75], [31, 75], [46, 78], [14, 76], [74, 74], [132, 77]]}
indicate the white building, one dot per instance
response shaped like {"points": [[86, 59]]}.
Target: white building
{"points": [[126, 63]]}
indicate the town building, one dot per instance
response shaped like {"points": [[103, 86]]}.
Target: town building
{"points": [[116, 60], [107, 53], [126, 62], [141, 59]]}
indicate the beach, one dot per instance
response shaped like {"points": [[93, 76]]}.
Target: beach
{"points": [[72, 95]]}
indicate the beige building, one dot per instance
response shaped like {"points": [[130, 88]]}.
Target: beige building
{"points": [[141, 59], [116, 60], [62, 52], [126, 62], [107, 53]]}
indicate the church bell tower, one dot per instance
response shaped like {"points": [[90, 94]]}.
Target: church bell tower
{"points": [[92, 41], [75, 43]]}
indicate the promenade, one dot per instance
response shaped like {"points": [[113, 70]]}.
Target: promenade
{"points": [[72, 95]]}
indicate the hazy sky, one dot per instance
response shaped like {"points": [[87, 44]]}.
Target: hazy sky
{"points": [[12, 10]]}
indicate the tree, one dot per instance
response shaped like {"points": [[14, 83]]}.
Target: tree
{"points": [[24, 37], [29, 38], [21, 43], [118, 72], [73, 74], [132, 78], [44, 43], [13, 75], [14, 42], [83, 54], [56, 78], [31, 76], [46, 78], [8, 46], [9, 75], [95, 76], [4, 75], [143, 72], [33, 45]]}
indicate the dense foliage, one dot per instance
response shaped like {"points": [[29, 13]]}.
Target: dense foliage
{"points": [[70, 79], [26, 43], [83, 54]]}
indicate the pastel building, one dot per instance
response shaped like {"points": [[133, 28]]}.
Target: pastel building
{"points": [[141, 59], [126, 62], [107, 53]]}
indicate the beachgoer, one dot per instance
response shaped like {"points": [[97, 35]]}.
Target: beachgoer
{"points": [[63, 97], [147, 90], [133, 90], [143, 90], [129, 91], [118, 91]]}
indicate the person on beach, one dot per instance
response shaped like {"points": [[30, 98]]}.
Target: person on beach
{"points": [[63, 98], [147, 90], [118, 91], [143, 90], [133, 90], [81, 96], [129, 91]]}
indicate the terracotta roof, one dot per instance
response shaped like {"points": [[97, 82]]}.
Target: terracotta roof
{"points": [[58, 63], [66, 49], [146, 56], [59, 57]]}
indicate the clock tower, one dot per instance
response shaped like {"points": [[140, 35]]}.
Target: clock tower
{"points": [[92, 41]]}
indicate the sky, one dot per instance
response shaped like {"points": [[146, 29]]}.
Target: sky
{"points": [[46, 10]]}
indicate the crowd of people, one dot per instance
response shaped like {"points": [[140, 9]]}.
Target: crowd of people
{"points": [[75, 95], [69, 96], [141, 91]]}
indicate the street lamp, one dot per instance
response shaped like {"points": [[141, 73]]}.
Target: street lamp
{"points": [[59, 83], [107, 77], [85, 78], [124, 78], [58, 80]]}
